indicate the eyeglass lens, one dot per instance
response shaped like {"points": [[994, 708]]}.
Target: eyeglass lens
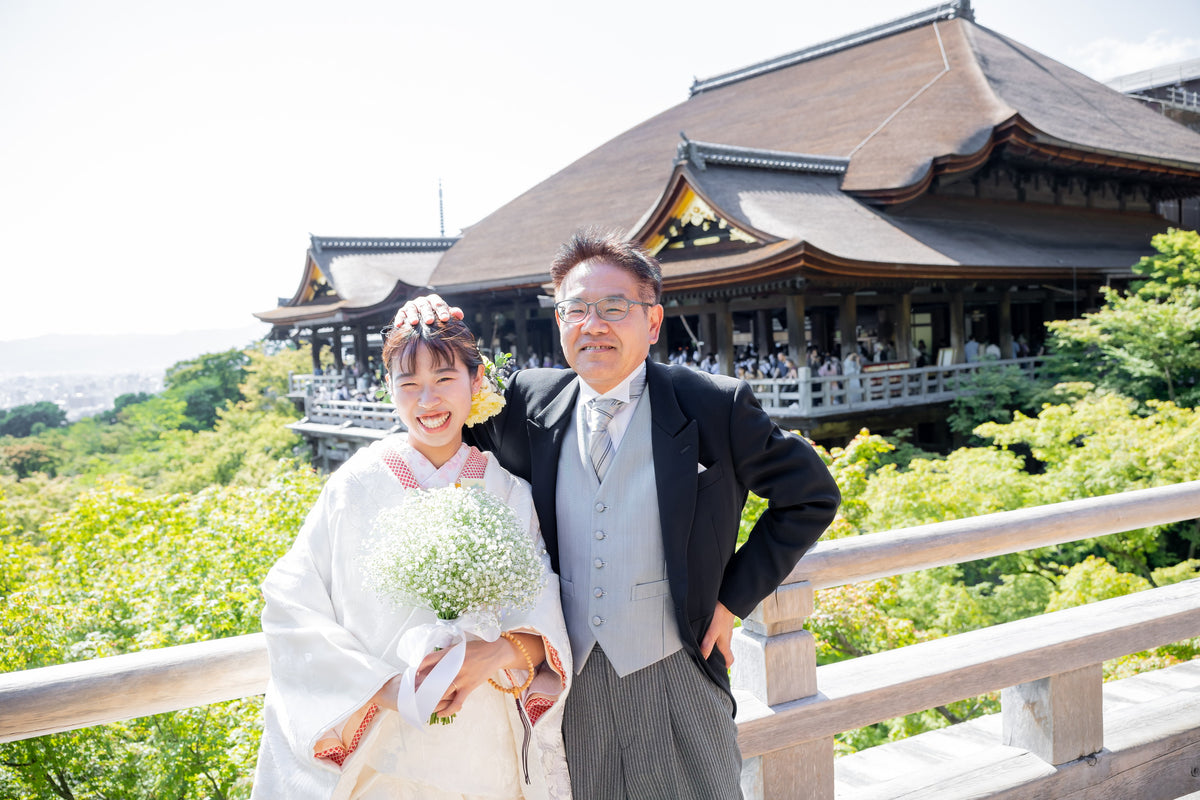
{"points": [[609, 309]]}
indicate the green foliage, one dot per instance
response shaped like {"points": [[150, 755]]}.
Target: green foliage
{"points": [[123, 570], [27, 457], [990, 395], [1175, 266], [1092, 580], [1144, 344], [31, 418], [206, 384]]}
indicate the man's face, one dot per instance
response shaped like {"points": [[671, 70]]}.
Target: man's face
{"points": [[604, 353]]}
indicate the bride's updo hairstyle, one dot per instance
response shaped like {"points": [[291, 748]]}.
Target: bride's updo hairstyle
{"points": [[448, 341]]}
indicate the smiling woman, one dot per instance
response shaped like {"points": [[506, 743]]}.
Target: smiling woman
{"points": [[355, 672], [433, 372]]}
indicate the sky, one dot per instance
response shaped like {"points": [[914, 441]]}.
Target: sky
{"points": [[162, 164]]}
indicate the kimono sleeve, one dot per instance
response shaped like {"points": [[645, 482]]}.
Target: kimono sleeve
{"points": [[321, 671]]}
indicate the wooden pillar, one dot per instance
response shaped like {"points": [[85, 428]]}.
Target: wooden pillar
{"points": [[521, 327], [724, 332], [336, 338], [763, 336], [708, 335], [848, 323], [775, 660], [1058, 719], [1006, 326], [361, 352], [316, 353], [797, 339], [958, 326], [903, 309]]}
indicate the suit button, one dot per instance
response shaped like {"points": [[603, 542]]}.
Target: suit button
{"points": [[599, 535], [598, 592], [597, 621], [598, 563], [600, 507]]}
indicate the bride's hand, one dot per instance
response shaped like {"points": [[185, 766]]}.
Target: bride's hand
{"points": [[482, 661]]}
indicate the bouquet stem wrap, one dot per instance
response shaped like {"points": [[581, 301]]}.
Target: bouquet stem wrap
{"points": [[414, 703]]}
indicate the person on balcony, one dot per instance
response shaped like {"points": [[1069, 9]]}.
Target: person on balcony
{"points": [[342, 716], [640, 471]]}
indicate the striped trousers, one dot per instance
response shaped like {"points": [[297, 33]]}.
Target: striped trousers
{"points": [[665, 732]]}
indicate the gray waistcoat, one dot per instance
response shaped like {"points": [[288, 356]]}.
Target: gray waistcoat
{"points": [[612, 569]]}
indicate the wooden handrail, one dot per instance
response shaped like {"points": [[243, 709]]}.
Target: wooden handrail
{"points": [[895, 552], [64, 697], [873, 688], [852, 693]]}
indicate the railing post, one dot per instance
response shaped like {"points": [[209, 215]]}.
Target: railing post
{"points": [[804, 387], [775, 660], [1058, 719]]}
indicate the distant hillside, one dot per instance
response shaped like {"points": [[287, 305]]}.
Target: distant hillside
{"points": [[103, 355]]}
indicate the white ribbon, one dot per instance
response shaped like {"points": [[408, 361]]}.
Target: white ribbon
{"points": [[414, 703]]}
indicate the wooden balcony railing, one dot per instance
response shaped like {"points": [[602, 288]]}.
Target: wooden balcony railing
{"points": [[1047, 668], [809, 396]]}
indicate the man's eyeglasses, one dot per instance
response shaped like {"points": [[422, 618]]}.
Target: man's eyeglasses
{"points": [[609, 309]]}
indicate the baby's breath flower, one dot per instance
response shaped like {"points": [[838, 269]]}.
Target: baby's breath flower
{"points": [[455, 551]]}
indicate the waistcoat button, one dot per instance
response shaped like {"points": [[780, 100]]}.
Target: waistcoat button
{"points": [[597, 621], [598, 563]]}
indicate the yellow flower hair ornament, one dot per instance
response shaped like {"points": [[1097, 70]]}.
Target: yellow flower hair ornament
{"points": [[487, 402]]}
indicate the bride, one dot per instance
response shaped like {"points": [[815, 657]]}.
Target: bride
{"points": [[331, 726]]}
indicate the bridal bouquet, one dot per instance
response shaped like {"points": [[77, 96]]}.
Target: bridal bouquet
{"points": [[460, 556]]}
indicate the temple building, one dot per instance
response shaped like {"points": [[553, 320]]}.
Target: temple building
{"points": [[927, 180]]}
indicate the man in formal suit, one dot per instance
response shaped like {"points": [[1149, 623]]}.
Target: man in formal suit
{"points": [[639, 472]]}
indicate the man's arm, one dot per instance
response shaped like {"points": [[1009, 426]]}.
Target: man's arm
{"points": [[802, 500]]}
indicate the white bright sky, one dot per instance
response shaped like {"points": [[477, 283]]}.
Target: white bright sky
{"points": [[162, 163]]}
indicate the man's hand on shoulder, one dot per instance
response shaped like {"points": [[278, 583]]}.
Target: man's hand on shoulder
{"points": [[719, 634], [428, 308]]}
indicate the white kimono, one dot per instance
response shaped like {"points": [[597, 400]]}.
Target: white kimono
{"points": [[332, 640]]}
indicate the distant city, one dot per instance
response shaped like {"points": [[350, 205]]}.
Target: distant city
{"points": [[79, 395], [83, 375]]}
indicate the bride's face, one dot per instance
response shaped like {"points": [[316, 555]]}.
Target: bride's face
{"points": [[434, 400]]}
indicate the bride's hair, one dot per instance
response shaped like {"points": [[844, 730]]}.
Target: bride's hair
{"points": [[448, 341]]}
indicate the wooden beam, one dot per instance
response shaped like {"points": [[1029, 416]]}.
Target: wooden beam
{"points": [[103, 690], [880, 686], [880, 555]]}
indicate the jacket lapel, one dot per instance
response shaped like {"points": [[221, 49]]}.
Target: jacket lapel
{"points": [[546, 431], [675, 440]]}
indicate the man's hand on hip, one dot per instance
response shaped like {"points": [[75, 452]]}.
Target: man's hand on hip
{"points": [[719, 633]]}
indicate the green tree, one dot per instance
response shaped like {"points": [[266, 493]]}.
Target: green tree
{"points": [[24, 420], [123, 570], [27, 457], [206, 384], [1144, 343]]}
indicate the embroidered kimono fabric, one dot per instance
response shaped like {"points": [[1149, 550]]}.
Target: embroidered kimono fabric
{"points": [[332, 641]]}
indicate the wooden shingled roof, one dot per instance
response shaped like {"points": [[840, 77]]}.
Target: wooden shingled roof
{"points": [[932, 94], [348, 278]]}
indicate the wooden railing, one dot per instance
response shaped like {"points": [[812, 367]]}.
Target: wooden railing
{"points": [[878, 387], [1046, 667], [809, 396]]}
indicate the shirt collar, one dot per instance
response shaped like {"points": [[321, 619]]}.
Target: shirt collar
{"points": [[619, 392]]}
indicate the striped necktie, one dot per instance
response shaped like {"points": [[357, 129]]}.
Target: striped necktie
{"points": [[600, 413]]}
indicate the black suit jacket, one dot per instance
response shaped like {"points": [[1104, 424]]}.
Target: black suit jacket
{"points": [[697, 419]]}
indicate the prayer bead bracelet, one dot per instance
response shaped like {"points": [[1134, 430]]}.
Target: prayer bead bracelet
{"points": [[515, 691]]}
